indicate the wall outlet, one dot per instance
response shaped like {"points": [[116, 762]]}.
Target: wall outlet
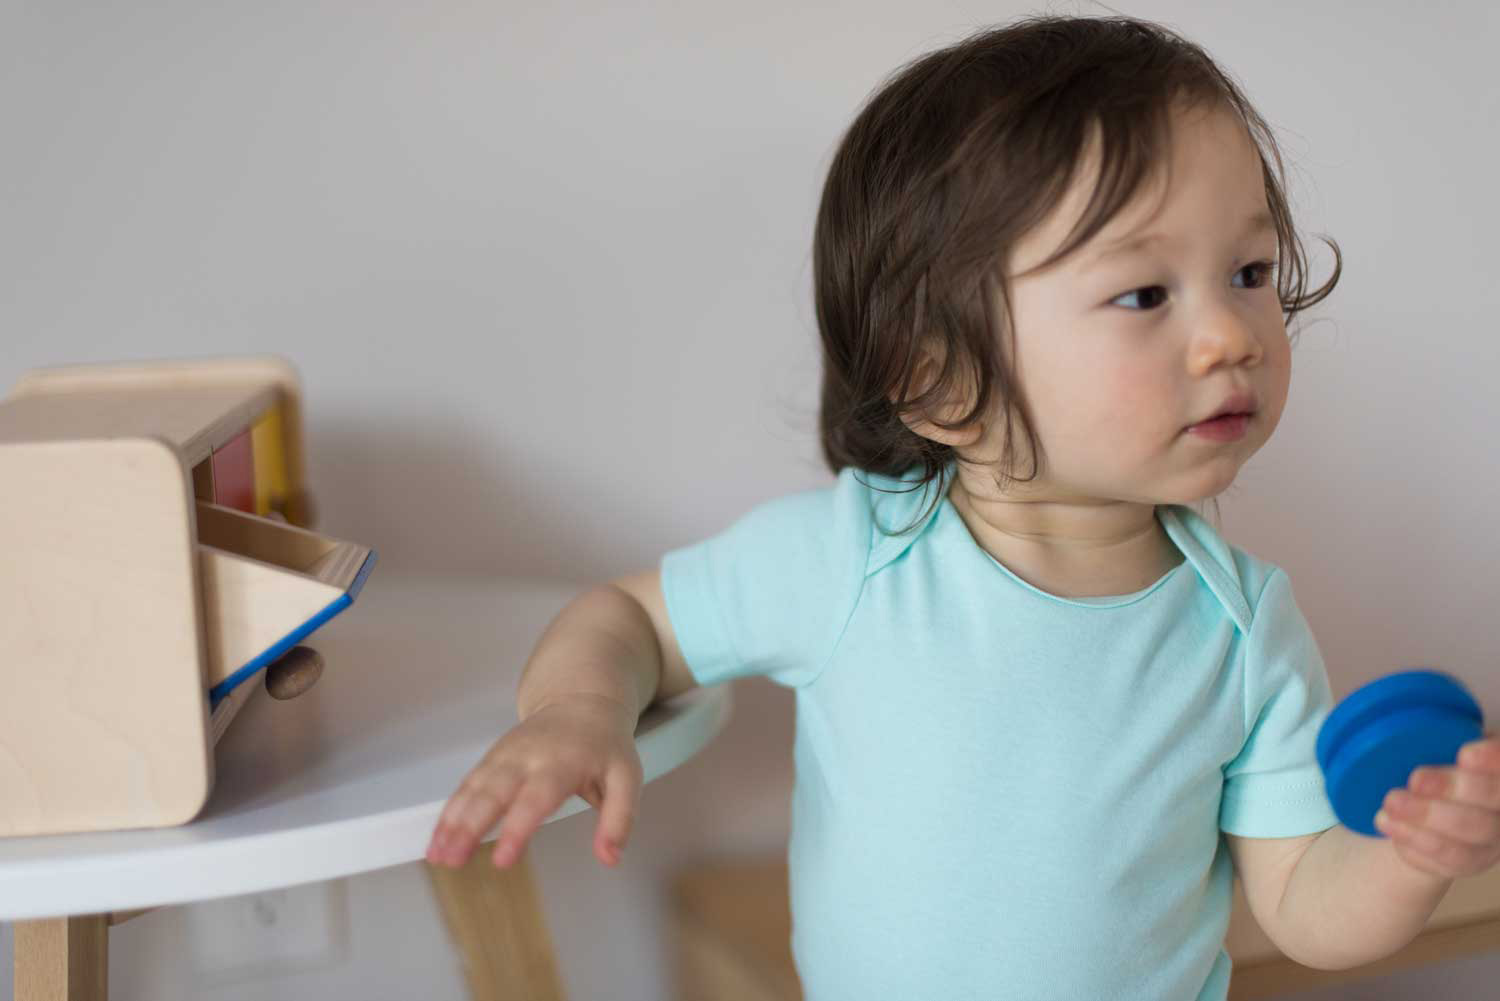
{"points": [[265, 934]]}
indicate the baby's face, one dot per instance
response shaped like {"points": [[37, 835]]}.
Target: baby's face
{"points": [[1118, 352]]}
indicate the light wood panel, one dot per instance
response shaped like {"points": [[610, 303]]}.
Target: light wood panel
{"points": [[261, 580], [103, 625], [218, 398], [104, 722], [62, 959], [496, 920]]}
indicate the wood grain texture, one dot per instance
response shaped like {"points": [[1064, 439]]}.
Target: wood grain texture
{"points": [[496, 920], [268, 449], [194, 421], [733, 926], [229, 708], [62, 959], [104, 724], [294, 672], [208, 400], [261, 579], [234, 473]]}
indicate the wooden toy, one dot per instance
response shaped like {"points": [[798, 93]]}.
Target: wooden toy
{"points": [[1383, 731], [156, 554]]}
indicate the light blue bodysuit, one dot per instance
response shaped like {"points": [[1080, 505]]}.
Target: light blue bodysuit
{"points": [[1001, 793]]}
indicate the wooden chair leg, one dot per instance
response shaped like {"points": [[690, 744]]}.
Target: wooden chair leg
{"points": [[62, 959], [496, 919]]}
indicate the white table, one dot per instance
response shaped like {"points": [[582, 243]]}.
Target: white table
{"points": [[351, 776]]}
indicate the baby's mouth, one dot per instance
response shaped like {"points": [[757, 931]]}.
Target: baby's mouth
{"points": [[1228, 427]]}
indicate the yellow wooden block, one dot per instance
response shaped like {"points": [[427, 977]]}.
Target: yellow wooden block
{"points": [[267, 444]]}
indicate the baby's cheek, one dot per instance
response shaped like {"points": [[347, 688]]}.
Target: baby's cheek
{"points": [[1141, 399], [1277, 363], [1117, 421]]}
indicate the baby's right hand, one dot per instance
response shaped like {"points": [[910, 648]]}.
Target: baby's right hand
{"points": [[582, 744]]}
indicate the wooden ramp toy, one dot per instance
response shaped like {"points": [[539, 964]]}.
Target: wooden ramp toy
{"points": [[156, 554]]}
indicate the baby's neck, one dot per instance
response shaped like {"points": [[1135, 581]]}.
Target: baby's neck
{"points": [[1072, 551]]}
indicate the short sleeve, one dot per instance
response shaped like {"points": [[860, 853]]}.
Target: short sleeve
{"points": [[1274, 787], [771, 594]]}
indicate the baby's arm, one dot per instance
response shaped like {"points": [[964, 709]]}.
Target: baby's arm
{"points": [[606, 656], [1337, 899]]}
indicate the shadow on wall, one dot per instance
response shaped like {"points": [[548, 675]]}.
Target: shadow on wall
{"points": [[437, 495], [444, 495]]}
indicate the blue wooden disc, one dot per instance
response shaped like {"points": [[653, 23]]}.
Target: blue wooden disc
{"points": [[1377, 736], [1421, 686]]}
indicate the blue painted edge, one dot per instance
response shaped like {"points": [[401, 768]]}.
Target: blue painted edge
{"points": [[343, 601]]}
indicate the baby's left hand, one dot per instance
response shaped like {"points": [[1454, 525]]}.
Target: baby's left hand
{"points": [[1447, 820]]}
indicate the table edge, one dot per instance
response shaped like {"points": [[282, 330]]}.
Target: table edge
{"points": [[671, 734]]}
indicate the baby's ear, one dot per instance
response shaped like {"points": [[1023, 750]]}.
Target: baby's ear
{"points": [[949, 409]]}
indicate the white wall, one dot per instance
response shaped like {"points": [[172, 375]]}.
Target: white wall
{"points": [[545, 270]]}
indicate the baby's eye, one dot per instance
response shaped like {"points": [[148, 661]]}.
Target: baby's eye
{"points": [[1137, 291], [1264, 269]]}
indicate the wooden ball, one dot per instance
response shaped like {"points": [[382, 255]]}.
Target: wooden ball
{"points": [[297, 671]]}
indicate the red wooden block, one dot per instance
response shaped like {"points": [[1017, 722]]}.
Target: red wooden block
{"points": [[234, 474]]}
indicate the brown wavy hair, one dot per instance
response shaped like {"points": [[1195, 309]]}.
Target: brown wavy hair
{"points": [[947, 164]]}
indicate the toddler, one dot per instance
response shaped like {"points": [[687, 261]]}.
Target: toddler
{"points": [[1045, 712]]}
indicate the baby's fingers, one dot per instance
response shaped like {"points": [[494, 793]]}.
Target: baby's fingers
{"points": [[470, 812], [531, 808], [622, 793]]}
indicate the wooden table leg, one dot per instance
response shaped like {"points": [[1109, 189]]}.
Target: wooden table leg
{"points": [[62, 959], [495, 917]]}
